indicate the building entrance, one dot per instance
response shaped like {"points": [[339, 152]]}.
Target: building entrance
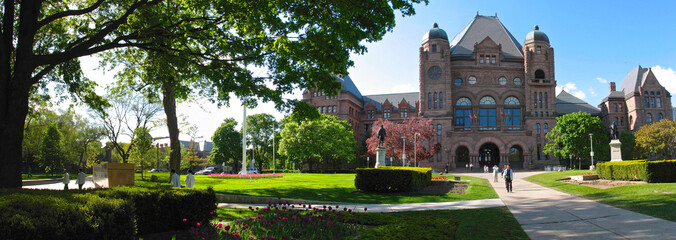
{"points": [[489, 154]]}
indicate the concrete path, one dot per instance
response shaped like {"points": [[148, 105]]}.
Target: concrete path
{"points": [[58, 185], [549, 214], [359, 207]]}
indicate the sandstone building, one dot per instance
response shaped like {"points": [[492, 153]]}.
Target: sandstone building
{"points": [[492, 100]]}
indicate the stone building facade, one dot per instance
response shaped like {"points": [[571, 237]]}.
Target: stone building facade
{"points": [[491, 98]]}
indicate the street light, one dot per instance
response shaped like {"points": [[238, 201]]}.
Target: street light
{"points": [[273, 148], [403, 156], [415, 149], [591, 143]]}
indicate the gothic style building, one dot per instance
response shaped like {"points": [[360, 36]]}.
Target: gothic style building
{"points": [[491, 99]]}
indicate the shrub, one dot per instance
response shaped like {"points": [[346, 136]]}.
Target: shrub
{"points": [[649, 171], [392, 179], [64, 216]]}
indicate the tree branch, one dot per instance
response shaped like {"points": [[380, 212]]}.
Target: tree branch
{"points": [[68, 13]]}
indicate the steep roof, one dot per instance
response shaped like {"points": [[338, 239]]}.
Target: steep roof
{"points": [[634, 79], [481, 27], [348, 86], [394, 98], [567, 103]]}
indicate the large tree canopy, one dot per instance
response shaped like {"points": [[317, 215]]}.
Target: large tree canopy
{"points": [[227, 144], [570, 137], [658, 138], [301, 44]]}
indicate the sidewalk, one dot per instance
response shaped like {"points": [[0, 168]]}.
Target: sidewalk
{"points": [[549, 214]]}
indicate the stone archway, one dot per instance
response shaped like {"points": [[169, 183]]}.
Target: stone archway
{"points": [[516, 159], [489, 154], [461, 156]]}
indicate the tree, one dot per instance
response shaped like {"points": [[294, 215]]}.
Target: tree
{"points": [[141, 154], [570, 137], [628, 142], [227, 144], [301, 43], [51, 154], [394, 143], [260, 129], [659, 138], [326, 141]]}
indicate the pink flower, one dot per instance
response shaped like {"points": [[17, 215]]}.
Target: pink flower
{"points": [[185, 220], [236, 234], [211, 213], [220, 225], [198, 224], [220, 219], [365, 209], [227, 227]]}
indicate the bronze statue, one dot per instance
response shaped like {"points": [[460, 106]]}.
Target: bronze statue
{"points": [[381, 136], [613, 131]]}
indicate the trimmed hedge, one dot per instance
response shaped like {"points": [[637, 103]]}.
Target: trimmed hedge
{"points": [[649, 171], [116, 213], [392, 179]]}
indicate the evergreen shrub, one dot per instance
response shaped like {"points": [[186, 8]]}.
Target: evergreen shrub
{"points": [[392, 179], [649, 171]]}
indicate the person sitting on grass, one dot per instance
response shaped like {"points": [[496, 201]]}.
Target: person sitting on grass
{"points": [[175, 180], [189, 179]]}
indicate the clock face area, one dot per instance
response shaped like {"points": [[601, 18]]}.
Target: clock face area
{"points": [[434, 73]]}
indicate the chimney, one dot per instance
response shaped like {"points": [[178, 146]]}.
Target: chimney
{"points": [[612, 87]]}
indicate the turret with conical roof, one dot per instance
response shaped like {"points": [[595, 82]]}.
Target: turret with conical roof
{"points": [[435, 71]]}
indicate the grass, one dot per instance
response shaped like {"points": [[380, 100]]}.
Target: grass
{"points": [[470, 223], [654, 199], [325, 187]]}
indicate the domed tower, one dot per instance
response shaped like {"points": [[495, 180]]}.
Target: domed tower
{"points": [[435, 73], [540, 86]]}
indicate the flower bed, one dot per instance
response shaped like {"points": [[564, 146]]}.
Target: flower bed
{"points": [[276, 175], [439, 178]]}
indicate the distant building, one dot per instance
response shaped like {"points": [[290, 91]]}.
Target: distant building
{"points": [[640, 100], [202, 148]]}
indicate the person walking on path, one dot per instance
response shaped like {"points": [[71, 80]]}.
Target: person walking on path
{"points": [[175, 180], [189, 179], [467, 167], [496, 170], [508, 175], [446, 168], [471, 166], [66, 179], [80, 179]]}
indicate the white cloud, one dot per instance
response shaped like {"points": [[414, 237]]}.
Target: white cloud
{"points": [[601, 80], [666, 76], [572, 89]]}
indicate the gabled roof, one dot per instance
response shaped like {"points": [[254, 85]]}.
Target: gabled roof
{"points": [[379, 99], [481, 27], [348, 86], [634, 79], [567, 103], [614, 95]]}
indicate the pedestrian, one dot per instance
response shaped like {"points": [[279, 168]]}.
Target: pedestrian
{"points": [[189, 179], [508, 175], [66, 179], [446, 168], [471, 166], [175, 180], [496, 170], [486, 168], [80, 179]]}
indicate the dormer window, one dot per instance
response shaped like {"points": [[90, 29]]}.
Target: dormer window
{"points": [[434, 48], [493, 59], [481, 59]]}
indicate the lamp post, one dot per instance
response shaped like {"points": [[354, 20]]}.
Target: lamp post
{"points": [[403, 156], [273, 149], [415, 149], [591, 143]]}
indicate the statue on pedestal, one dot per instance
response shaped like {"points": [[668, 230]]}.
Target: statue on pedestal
{"points": [[381, 136], [613, 131]]}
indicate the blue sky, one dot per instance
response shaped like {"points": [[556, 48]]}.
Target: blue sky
{"points": [[595, 42]]}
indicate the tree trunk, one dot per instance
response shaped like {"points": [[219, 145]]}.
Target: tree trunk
{"points": [[13, 111], [169, 103]]}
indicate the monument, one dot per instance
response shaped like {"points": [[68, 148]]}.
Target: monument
{"points": [[615, 144], [380, 151]]}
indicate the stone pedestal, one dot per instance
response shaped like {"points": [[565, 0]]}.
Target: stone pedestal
{"points": [[380, 157], [615, 150], [113, 174]]}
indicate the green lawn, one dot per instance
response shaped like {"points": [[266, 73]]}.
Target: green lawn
{"points": [[324, 187], [41, 176], [487, 223], [654, 199]]}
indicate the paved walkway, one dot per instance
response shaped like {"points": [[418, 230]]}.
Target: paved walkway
{"points": [[549, 214], [58, 185]]}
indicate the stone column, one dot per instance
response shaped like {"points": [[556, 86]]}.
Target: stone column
{"points": [[615, 150]]}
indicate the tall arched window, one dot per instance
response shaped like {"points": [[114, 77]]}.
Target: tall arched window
{"points": [[512, 115], [614, 107], [441, 100], [429, 100], [659, 117], [435, 100], [546, 128], [438, 129], [546, 102], [646, 99], [487, 113], [649, 118], [537, 128], [540, 102], [539, 74], [535, 100], [463, 113]]}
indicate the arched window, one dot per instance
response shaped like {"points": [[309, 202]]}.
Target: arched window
{"points": [[620, 107], [614, 107], [429, 100], [435, 100], [438, 129], [648, 118], [441, 100], [616, 122], [546, 102], [537, 128], [535, 100], [463, 101], [546, 128], [539, 74], [659, 102], [540, 102], [646, 99], [512, 101], [487, 100], [487, 113], [659, 117]]}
